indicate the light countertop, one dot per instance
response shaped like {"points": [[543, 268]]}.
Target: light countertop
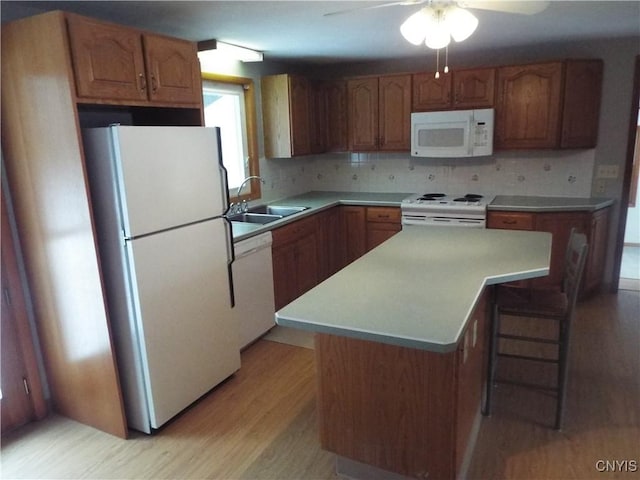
{"points": [[320, 200], [547, 204], [419, 288]]}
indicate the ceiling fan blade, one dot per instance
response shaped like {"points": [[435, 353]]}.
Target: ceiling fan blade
{"points": [[371, 7], [523, 7]]}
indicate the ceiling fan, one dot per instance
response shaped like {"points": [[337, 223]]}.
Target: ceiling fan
{"points": [[438, 21], [522, 7]]}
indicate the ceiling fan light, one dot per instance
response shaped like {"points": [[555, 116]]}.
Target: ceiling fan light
{"points": [[460, 22], [438, 34], [414, 28]]}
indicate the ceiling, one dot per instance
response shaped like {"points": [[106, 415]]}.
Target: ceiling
{"points": [[300, 31]]}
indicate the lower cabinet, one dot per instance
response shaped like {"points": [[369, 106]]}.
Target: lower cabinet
{"points": [[382, 224], [310, 250], [411, 412], [295, 260], [594, 224]]}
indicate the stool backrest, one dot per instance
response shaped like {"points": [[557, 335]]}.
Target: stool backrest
{"points": [[575, 260]]}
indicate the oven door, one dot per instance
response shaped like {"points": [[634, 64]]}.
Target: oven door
{"points": [[430, 220]]}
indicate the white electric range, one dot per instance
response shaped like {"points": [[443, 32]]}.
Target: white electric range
{"points": [[465, 210]]}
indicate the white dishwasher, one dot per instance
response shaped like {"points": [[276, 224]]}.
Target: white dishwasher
{"points": [[254, 312]]}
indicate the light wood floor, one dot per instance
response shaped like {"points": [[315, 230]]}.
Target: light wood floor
{"points": [[261, 423]]}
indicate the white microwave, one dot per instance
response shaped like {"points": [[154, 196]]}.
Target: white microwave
{"points": [[456, 133]]}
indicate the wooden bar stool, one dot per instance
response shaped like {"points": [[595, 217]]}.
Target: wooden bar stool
{"points": [[548, 304]]}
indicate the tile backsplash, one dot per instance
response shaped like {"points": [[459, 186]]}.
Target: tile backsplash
{"points": [[553, 173]]}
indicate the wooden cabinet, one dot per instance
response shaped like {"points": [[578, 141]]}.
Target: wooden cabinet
{"points": [[286, 115], [474, 88], [379, 113], [119, 64], [295, 260], [528, 106], [335, 96], [329, 251], [548, 105], [559, 224], [430, 93], [382, 224], [581, 108], [412, 412], [43, 100], [353, 233]]}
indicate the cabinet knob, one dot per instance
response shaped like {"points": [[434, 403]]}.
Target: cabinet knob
{"points": [[154, 83]]}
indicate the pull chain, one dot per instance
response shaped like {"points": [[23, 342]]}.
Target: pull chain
{"points": [[437, 63], [446, 59]]}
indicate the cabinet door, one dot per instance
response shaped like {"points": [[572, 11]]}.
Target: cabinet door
{"points": [[317, 117], [354, 232], [108, 62], [395, 112], [299, 112], [474, 88], [173, 70], [284, 279], [559, 225], [328, 243], [363, 114], [581, 110], [336, 116], [528, 106], [306, 263], [430, 93]]}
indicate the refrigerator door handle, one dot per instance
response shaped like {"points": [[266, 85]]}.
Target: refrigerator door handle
{"points": [[231, 257], [224, 180]]}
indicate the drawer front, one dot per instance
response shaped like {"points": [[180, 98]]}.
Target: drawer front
{"points": [[294, 231], [510, 221], [383, 214]]}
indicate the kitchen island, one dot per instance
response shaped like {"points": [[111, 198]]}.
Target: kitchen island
{"points": [[400, 346]]}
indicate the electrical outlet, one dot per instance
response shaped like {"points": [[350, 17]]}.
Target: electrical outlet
{"points": [[601, 186], [607, 171]]}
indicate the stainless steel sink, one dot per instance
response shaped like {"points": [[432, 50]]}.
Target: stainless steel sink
{"points": [[260, 218], [276, 210]]}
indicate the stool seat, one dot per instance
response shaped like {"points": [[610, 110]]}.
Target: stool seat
{"points": [[532, 302]]}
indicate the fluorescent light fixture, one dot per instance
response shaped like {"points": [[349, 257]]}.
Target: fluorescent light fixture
{"points": [[211, 50]]}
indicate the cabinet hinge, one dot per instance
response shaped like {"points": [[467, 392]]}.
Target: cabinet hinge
{"points": [[26, 386]]}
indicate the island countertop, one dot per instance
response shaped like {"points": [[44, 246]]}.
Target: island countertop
{"points": [[419, 288]]}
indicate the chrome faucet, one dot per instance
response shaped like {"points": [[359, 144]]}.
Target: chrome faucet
{"points": [[242, 207]]}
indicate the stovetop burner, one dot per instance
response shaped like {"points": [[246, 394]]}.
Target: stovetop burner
{"points": [[432, 196], [469, 197]]}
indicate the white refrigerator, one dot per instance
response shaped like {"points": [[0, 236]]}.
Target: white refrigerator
{"points": [[159, 197]]}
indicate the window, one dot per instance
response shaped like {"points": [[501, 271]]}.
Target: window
{"points": [[229, 103]]}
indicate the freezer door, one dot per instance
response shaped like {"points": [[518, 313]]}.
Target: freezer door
{"points": [[183, 314], [167, 176]]}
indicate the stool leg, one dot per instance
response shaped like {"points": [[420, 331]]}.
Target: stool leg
{"points": [[563, 370], [493, 358]]}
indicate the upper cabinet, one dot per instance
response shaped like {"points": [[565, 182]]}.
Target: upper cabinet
{"points": [[581, 108], [286, 114], [379, 113], [473, 88], [335, 126], [548, 105], [115, 64]]}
